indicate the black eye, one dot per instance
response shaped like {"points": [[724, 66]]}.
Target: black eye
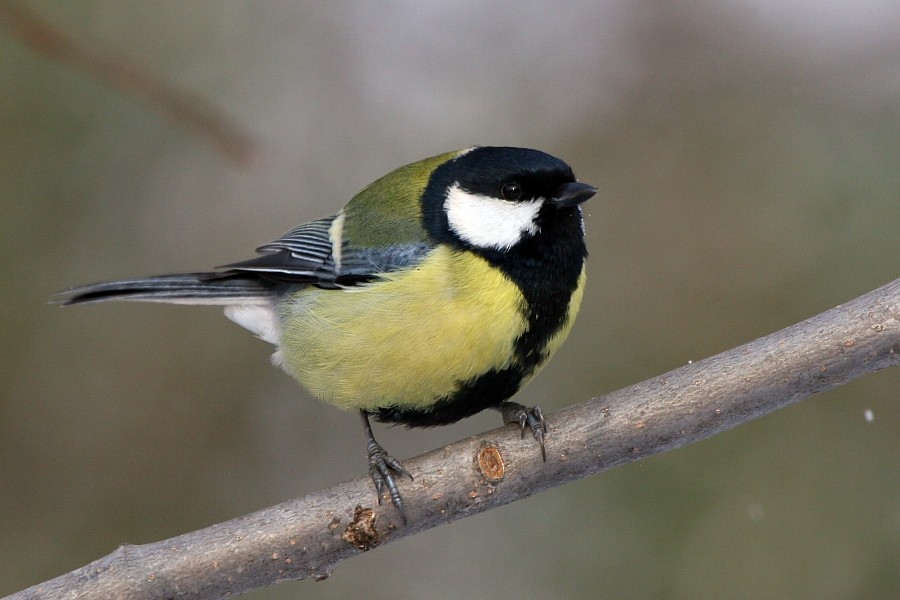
{"points": [[511, 190]]}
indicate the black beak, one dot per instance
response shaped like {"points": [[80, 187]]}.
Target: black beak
{"points": [[573, 193]]}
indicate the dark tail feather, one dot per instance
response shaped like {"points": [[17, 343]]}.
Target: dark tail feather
{"points": [[186, 288]]}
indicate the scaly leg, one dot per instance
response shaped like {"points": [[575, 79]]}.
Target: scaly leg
{"points": [[383, 467], [526, 417]]}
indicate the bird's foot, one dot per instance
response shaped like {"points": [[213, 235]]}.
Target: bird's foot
{"points": [[383, 469], [530, 418]]}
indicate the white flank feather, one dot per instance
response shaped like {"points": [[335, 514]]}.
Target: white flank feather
{"points": [[259, 319]]}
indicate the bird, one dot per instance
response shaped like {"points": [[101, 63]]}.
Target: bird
{"points": [[437, 292]]}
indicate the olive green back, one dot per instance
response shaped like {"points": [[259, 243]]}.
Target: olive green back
{"points": [[388, 211]]}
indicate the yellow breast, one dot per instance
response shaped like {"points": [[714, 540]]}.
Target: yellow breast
{"points": [[407, 339]]}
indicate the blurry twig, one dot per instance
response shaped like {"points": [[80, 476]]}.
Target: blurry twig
{"points": [[308, 537], [180, 105]]}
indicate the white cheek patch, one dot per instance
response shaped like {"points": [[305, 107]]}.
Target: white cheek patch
{"points": [[490, 222]]}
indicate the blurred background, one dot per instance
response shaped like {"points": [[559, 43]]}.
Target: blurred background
{"points": [[748, 158]]}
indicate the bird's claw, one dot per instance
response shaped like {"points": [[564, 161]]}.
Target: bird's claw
{"points": [[382, 469], [527, 418]]}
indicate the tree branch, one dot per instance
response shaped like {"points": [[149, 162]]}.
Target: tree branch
{"points": [[181, 106], [308, 537]]}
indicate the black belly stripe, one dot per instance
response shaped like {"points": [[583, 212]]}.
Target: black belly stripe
{"points": [[546, 269], [469, 398]]}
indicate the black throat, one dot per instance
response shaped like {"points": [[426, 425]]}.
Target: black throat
{"points": [[546, 268]]}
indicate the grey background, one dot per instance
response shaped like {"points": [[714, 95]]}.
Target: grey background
{"points": [[748, 160]]}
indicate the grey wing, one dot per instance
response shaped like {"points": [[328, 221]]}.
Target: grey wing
{"points": [[307, 254], [302, 255]]}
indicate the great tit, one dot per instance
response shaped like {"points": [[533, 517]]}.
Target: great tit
{"points": [[438, 291]]}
